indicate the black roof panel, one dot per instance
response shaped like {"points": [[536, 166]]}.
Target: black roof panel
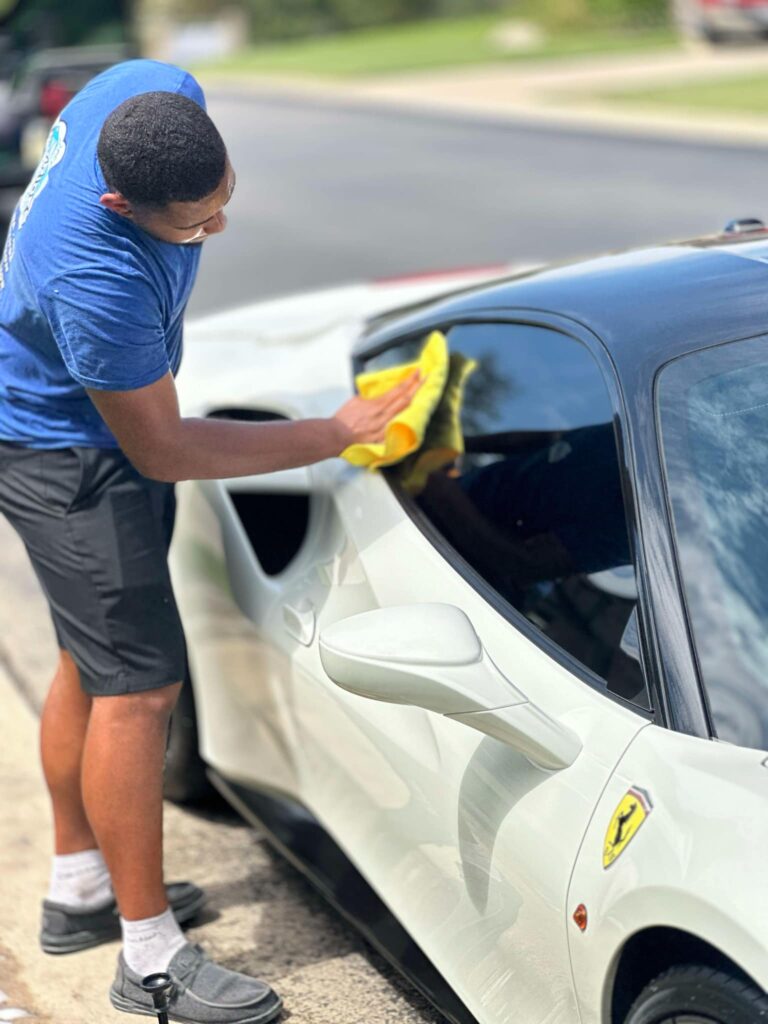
{"points": [[647, 306]]}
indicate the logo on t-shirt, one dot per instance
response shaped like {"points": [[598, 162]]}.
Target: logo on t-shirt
{"points": [[52, 154], [55, 147]]}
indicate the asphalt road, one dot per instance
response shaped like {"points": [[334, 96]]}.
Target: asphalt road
{"points": [[325, 195], [328, 194]]}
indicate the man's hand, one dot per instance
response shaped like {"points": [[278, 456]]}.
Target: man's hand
{"points": [[364, 420]]}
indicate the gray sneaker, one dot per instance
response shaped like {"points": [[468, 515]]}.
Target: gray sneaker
{"points": [[202, 992], [65, 930]]}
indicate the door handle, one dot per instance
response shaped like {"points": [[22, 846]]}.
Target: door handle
{"points": [[299, 620]]}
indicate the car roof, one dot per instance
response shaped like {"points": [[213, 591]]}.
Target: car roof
{"points": [[76, 57], [76, 65], [647, 306]]}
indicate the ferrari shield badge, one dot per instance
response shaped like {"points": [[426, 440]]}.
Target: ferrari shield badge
{"points": [[634, 808]]}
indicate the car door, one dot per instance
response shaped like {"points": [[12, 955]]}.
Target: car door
{"points": [[469, 843], [237, 553]]}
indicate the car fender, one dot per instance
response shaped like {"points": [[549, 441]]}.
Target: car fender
{"points": [[700, 801]]}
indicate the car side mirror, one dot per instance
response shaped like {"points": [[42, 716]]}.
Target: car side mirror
{"points": [[429, 656]]}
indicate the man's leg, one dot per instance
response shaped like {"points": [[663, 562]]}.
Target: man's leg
{"points": [[62, 737], [78, 910], [122, 790], [122, 786], [79, 877]]}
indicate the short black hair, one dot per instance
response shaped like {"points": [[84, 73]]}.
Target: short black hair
{"points": [[159, 147]]}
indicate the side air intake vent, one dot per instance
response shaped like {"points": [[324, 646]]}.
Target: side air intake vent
{"points": [[275, 523]]}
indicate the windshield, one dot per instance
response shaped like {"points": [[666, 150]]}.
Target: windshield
{"points": [[713, 407]]}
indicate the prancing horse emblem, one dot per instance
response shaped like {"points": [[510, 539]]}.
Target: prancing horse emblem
{"points": [[633, 809]]}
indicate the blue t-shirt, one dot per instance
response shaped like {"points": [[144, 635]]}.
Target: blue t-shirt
{"points": [[87, 299]]}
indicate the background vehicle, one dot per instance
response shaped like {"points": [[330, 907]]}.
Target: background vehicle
{"points": [[496, 756], [44, 83], [720, 20]]}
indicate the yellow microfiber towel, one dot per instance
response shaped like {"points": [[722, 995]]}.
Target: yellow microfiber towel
{"points": [[443, 438], [405, 432]]}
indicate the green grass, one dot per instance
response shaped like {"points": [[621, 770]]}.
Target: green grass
{"points": [[422, 46], [745, 95]]}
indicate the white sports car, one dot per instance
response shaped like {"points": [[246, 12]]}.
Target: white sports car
{"points": [[511, 720]]}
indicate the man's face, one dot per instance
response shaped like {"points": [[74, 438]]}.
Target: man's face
{"points": [[180, 223]]}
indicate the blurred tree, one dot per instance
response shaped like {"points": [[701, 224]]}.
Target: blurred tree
{"points": [[559, 14], [564, 13], [285, 19], [34, 23], [631, 11]]}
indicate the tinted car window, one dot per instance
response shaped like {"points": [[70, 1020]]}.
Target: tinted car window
{"points": [[714, 426], [535, 503]]}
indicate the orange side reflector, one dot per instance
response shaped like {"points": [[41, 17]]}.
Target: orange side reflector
{"points": [[580, 917]]}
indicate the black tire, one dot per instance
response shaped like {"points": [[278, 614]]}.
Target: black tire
{"points": [[186, 781], [699, 995]]}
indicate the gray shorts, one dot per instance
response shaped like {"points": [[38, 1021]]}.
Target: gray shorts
{"points": [[97, 534]]}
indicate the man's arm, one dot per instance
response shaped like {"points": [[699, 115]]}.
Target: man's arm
{"points": [[163, 445]]}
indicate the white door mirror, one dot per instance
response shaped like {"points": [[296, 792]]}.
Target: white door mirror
{"points": [[425, 655], [429, 656]]}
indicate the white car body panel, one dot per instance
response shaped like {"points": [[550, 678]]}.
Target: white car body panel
{"points": [[481, 856]]}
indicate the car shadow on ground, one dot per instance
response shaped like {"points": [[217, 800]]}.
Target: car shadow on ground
{"points": [[282, 893]]}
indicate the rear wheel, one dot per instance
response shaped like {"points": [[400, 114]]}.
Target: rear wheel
{"points": [[699, 995], [186, 781]]}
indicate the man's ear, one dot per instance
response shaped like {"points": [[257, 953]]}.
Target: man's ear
{"points": [[117, 203]]}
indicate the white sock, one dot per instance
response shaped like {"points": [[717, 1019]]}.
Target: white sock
{"points": [[149, 945], [80, 880]]}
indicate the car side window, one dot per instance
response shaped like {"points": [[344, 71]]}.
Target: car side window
{"points": [[534, 504]]}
